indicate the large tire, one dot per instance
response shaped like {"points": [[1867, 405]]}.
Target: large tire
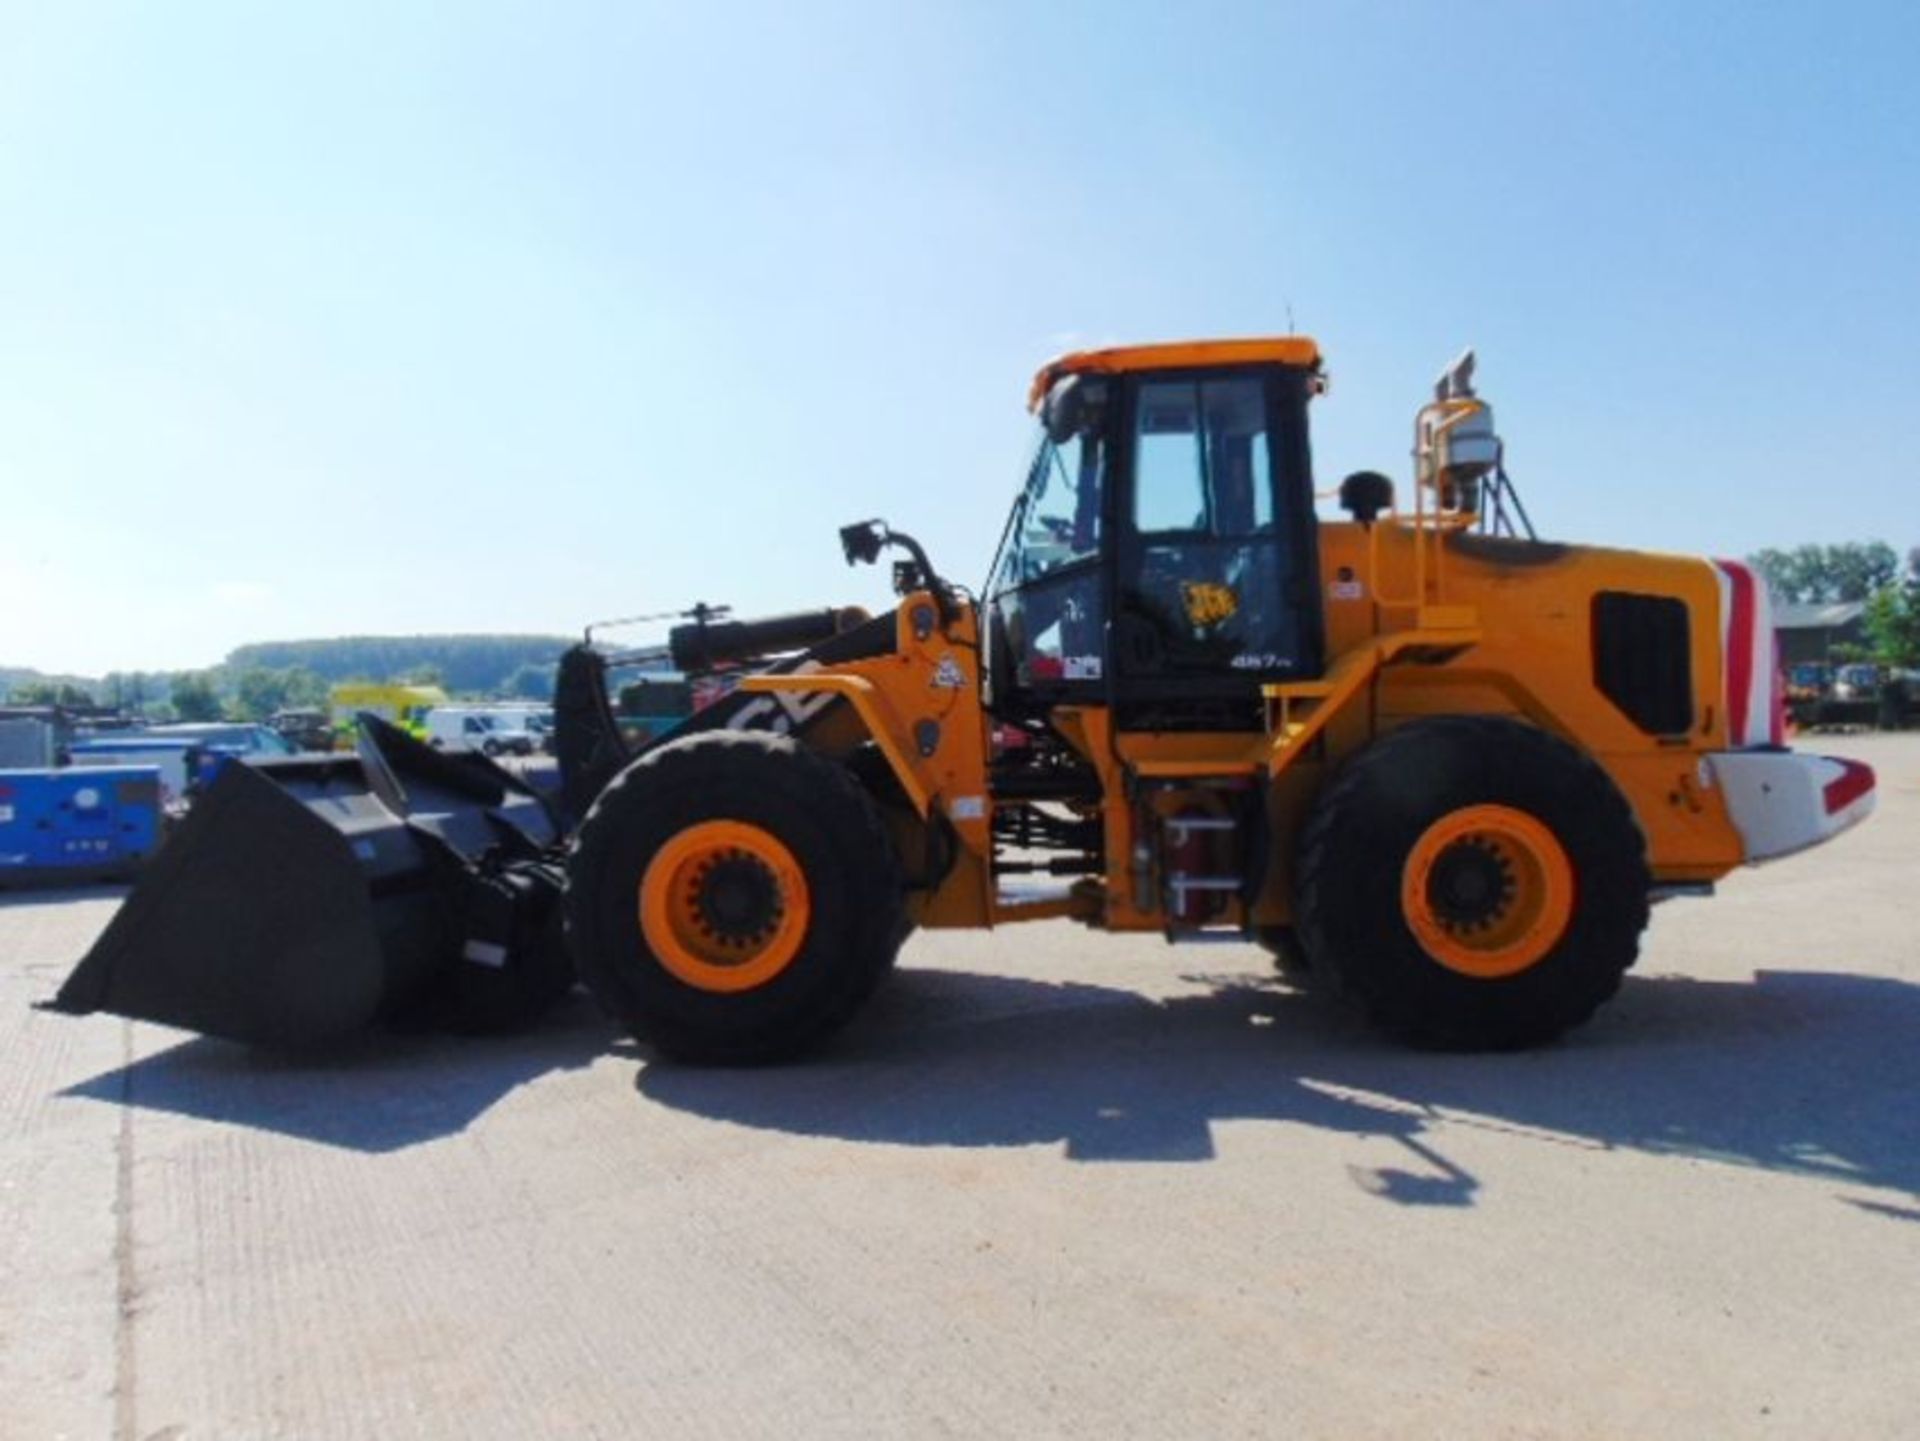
{"points": [[1283, 944], [836, 881], [1505, 935]]}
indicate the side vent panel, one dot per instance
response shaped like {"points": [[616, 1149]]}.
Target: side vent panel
{"points": [[1643, 659]]}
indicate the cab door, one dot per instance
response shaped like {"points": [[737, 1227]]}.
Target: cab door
{"points": [[1215, 589]]}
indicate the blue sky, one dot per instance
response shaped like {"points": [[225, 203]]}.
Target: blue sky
{"points": [[394, 318]]}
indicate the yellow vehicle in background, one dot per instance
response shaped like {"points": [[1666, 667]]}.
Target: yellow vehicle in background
{"points": [[405, 706]]}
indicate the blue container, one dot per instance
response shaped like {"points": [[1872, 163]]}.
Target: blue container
{"points": [[94, 823]]}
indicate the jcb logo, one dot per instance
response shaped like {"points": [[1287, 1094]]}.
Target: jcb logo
{"points": [[1208, 602]]}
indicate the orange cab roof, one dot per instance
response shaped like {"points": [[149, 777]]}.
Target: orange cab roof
{"points": [[1176, 355]]}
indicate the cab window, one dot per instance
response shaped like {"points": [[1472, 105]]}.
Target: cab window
{"points": [[1061, 521], [1201, 459], [1046, 594]]}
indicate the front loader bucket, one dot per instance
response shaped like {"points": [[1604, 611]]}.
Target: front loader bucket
{"points": [[305, 899], [254, 921]]}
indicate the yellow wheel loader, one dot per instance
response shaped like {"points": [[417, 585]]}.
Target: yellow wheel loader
{"points": [[1418, 753]]}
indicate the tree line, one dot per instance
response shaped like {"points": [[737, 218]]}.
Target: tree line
{"points": [[259, 679], [463, 663], [1870, 572]]}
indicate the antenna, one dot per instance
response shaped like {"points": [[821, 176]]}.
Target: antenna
{"points": [[1288, 301], [701, 613]]}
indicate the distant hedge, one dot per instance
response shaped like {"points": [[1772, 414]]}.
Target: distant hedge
{"points": [[461, 663]]}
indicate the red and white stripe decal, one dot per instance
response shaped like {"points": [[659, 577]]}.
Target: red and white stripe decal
{"points": [[1854, 781], [1755, 697], [1783, 801]]}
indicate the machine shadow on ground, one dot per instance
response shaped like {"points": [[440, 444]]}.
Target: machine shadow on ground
{"points": [[1811, 1073], [384, 1092], [64, 896]]}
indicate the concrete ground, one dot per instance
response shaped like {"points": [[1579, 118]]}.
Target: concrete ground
{"points": [[1050, 1185]]}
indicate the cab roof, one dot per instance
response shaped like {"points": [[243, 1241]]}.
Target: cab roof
{"points": [[1295, 350]]}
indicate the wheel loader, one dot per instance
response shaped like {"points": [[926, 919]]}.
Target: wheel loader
{"points": [[1426, 758]]}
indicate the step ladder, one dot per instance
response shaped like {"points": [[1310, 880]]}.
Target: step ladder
{"points": [[1178, 885]]}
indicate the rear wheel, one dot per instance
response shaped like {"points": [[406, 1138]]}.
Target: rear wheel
{"points": [[1475, 882], [733, 897]]}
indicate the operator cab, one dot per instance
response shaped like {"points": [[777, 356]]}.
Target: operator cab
{"points": [[1161, 557]]}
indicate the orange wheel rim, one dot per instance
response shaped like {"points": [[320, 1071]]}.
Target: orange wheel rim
{"points": [[1487, 891], [724, 906]]}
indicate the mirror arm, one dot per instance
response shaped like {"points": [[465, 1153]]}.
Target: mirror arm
{"points": [[863, 542]]}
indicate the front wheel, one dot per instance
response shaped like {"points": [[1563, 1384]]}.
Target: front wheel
{"points": [[1475, 882], [733, 897], [1283, 944]]}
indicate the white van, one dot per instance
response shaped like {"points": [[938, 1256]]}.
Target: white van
{"points": [[488, 730]]}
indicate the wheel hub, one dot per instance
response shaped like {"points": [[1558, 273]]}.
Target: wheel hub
{"points": [[1487, 891], [738, 900], [1470, 885], [724, 906]]}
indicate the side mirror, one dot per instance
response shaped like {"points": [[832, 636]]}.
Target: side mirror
{"points": [[1071, 407], [861, 542]]}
